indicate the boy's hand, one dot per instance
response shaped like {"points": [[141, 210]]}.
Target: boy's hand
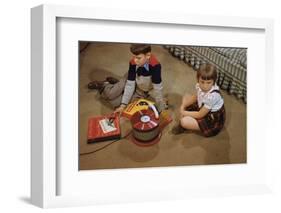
{"points": [[120, 109], [183, 112], [162, 106]]}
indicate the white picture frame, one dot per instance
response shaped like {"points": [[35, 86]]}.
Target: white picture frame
{"points": [[44, 150]]}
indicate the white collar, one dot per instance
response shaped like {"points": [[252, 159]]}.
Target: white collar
{"points": [[146, 66], [214, 87]]}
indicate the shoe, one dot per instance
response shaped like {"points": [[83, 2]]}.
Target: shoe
{"points": [[96, 85], [112, 80], [178, 129]]}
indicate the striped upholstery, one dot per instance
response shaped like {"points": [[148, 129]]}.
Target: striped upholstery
{"points": [[231, 65]]}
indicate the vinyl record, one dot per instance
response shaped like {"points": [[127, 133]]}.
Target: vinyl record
{"points": [[145, 126]]}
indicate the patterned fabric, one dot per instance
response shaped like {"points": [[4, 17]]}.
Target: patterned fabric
{"points": [[144, 78], [212, 123], [231, 65], [238, 55]]}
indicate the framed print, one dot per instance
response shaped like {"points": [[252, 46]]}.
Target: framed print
{"points": [[110, 113]]}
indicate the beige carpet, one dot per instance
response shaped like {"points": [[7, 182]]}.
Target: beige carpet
{"points": [[99, 60]]}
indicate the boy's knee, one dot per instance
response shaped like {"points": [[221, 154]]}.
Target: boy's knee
{"points": [[107, 93], [183, 121], [186, 121], [110, 92]]}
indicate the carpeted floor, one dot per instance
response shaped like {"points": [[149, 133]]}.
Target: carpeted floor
{"points": [[99, 60]]}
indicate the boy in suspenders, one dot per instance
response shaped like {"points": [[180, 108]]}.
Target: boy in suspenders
{"points": [[203, 111]]}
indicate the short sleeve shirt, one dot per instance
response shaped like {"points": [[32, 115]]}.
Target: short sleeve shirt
{"points": [[210, 100]]}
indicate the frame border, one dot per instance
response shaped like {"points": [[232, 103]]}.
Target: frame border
{"points": [[44, 84]]}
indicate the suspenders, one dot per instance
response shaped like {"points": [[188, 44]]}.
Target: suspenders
{"points": [[214, 91], [217, 91]]}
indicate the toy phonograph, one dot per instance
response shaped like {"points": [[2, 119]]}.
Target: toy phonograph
{"points": [[136, 106], [146, 122], [146, 126]]}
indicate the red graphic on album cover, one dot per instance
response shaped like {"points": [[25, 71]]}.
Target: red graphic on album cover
{"points": [[103, 128]]}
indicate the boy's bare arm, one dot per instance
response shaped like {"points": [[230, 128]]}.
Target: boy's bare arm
{"points": [[188, 100], [196, 114], [120, 109]]}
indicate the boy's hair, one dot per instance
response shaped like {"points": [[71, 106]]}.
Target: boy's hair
{"points": [[207, 72], [137, 49]]}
